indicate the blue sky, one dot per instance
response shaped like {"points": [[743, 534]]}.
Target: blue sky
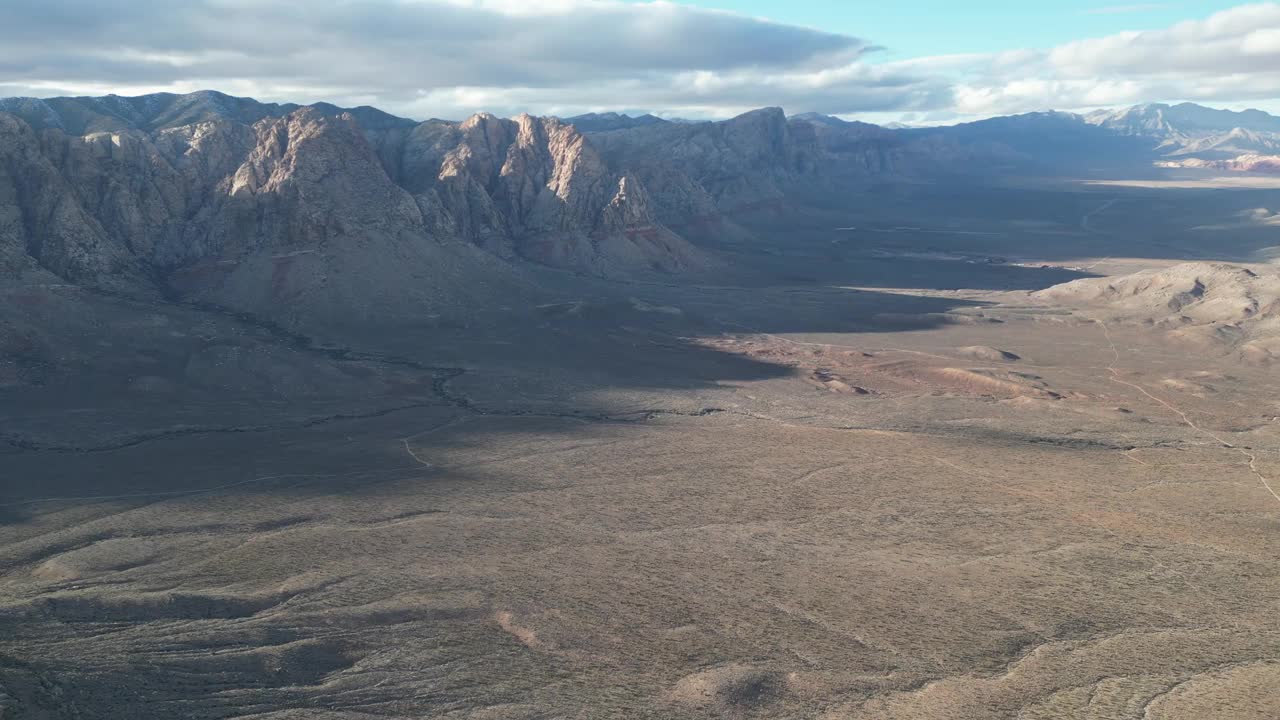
{"points": [[921, 61], [914, 28]]}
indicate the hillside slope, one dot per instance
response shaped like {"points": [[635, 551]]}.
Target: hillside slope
{"points": [[1214, 306]]}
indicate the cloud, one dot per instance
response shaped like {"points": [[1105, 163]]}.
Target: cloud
{"points": [[400, 52], [853, 88], [448, 58], [1229, 57]]}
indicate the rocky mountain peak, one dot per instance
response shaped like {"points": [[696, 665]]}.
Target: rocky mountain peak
{"points": [[629, 207], [328, 172]]}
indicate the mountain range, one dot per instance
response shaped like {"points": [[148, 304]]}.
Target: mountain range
{"points": [[1188, 128], [303, 213]]}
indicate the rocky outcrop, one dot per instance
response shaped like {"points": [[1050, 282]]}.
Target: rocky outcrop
{"points": [[307, 180], [43, 225], [538, 188]]}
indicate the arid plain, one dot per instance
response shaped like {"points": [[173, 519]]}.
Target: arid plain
{"points": [[872, 472]]}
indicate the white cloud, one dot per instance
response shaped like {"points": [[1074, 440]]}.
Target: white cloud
{"points": [[1231, 56], [447, 58], [399, 51]]}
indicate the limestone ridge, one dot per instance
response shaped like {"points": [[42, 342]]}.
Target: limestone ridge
{"points": [[309, 211], [538, 188]]}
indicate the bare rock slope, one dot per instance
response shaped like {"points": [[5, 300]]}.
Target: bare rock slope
{"points": [[538, 188]]}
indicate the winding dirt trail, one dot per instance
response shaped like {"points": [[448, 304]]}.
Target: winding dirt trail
{"points": [[1084, 220], [1115, 377]]}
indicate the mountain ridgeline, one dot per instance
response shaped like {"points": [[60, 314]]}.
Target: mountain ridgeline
{"points": [[318, 211]]}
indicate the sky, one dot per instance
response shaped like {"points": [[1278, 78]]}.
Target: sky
{"points": [[919, 28], [916, 61]]}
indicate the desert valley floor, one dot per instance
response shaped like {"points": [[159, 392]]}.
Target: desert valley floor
{"points": [[876, 473]]}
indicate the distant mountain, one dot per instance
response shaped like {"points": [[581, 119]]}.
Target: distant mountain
{"points": [[818, 118], [1195, 131], [1055, 142], [1185, 135], [832, 121], [161, 111], [1250, 163], [604, 122], [1185, 119]]}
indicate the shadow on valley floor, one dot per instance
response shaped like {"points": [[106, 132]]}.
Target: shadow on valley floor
{"points": [[618, 358], [948, 236], [857, 263]]}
